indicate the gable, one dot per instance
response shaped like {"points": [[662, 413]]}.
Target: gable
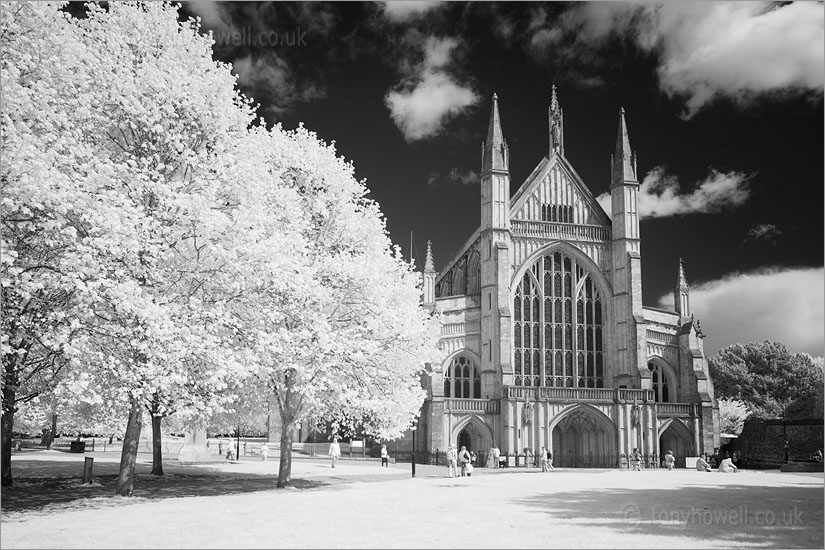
{"points": [[554, 192]]}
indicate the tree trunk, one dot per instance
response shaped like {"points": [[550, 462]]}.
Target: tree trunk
{"points": [[157, 456], [5, 434], [285, 466], [128, 457]]}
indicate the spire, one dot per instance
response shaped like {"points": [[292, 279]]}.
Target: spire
{"points": [[555, 116], [681, 282], [624, 160], [681, 293], [495, 156], [428, 262]]}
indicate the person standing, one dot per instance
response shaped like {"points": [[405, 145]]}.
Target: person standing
{"points": [[543, 458], [669, 460], [637, 460], [385, 457], [334, 450], [464, 459], [452, 458], [496, 456], [550, 460], [264, 452]]}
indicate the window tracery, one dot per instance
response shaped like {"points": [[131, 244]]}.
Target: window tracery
{"points": [[557, 326]]}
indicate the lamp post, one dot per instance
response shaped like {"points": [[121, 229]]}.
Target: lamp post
{"points": [[414, 426]]}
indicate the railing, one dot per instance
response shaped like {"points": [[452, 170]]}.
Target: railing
{"points": [[660, 337], [472, 405], [579, 394], [451, 329], [553, 230], [675, 409]]}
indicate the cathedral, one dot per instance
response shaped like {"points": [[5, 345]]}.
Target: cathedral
{"points": [[545, 337]]}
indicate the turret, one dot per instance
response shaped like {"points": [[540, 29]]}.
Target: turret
{"points": [[681, 293], [495, 175], [429, 279], [555, 117]]}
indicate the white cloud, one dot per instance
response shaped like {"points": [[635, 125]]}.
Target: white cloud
{"points": [[785, 305], [406, 10], [211, 14], [455, 177], [421, 106], [271, 73], [659, 194], [710, 49]]}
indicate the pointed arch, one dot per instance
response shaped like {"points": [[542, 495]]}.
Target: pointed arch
{"points": [[678, 426], [474, 274], [480, 433], [665, 382], [598, 416], [568, 249], [461, 375]]}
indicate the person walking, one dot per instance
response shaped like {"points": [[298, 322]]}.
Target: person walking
{"points": [[385, 457], [464, 459], [264, 452], [669, 460], [637, 460], [543, 459], [334, 450], [550, 460], [452, 459]]}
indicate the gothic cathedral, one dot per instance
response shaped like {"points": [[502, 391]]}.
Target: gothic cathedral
{"points": [[543, 328]]}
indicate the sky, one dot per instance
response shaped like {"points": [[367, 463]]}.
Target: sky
{"points": [[723, 102]]}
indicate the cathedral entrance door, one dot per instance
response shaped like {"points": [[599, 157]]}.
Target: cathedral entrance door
{"points": [[584, 438], [676, 438], [464, 439]]}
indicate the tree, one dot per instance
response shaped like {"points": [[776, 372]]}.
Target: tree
{"points": [[337, 329], [124, 118], [41, 272], [769, 379], [732, 416]]}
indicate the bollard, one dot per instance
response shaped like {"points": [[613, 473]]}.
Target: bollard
{"points": [[87, 470]]}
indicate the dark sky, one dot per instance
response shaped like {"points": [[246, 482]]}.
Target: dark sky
{"points": [[730, 124]]}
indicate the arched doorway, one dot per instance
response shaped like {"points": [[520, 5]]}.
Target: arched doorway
{"points": [[677, 438], [584, 438], [475, 435]]}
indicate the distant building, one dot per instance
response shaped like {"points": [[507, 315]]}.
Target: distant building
{"points": [[546, 337]]}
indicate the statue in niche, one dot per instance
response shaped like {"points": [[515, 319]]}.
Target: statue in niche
{"points": [[527, 413], [556, 136], [635, 414]]}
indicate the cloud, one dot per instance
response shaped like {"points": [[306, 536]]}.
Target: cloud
{"points": [[211, 13], [763, 233], [400, 11], [272, 75], [659, 194], [784, 305], [705, 50], [455, 177], [422, 105]]}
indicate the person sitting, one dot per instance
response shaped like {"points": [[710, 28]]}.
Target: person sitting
{"points": [[818, 455], [702, 465], [727, 466]]}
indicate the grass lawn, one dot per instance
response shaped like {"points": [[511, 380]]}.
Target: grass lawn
{"points": [[360, 505]]}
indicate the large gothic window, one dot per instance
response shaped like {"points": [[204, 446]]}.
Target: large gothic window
{"points": [[557, 326], [660, 385], [462, 379]]}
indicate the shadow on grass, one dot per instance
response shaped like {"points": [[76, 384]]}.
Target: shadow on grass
{"points": [[36, 488], [745, 515]]}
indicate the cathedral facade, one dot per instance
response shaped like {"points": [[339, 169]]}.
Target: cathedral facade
{"points": [[546, 340]]}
